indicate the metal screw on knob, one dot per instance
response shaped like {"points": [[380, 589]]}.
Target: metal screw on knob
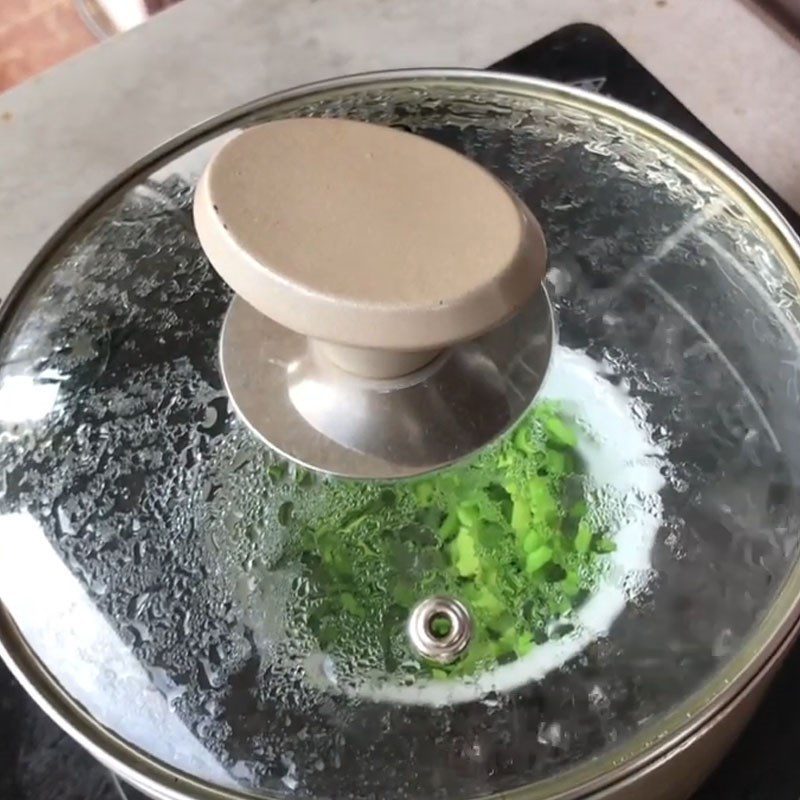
{"points": [[440, 629]]}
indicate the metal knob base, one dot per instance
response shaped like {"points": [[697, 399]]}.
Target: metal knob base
{"points": [[305, 407]]}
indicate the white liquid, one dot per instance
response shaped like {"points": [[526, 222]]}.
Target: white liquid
{"points": [[620, 456]]}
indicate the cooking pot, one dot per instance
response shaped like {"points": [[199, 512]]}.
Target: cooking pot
{"points": [[614, 557]]}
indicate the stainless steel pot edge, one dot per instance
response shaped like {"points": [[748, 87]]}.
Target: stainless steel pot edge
{"points": [[680, 771], [124, 760], [683, 722]]}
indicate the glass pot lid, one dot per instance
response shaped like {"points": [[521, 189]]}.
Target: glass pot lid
{"points": [[213, 621]]}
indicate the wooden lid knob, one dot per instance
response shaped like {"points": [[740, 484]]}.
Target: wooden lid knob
{"points": [[384, 246]]}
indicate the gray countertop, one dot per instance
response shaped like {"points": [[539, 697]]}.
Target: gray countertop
{"points": [[67, 132]]}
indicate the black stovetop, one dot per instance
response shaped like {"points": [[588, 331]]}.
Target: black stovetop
{"points": [[38, 762]]}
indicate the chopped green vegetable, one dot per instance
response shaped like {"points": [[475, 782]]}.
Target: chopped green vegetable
{"points": [[559, 433], [571, 584], [538, 558], [532, 541], [423, 491], [285, 512], [583, 538], [524, 643], [450, 526], [277, 471], [304, 478], [506, 534], [523, 440], [520, 515], [603, 545], [465, 557], [468, 514]]}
